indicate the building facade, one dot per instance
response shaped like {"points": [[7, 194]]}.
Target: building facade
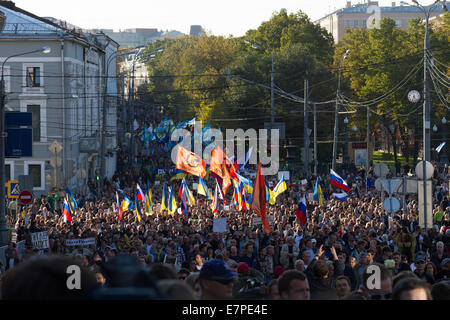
{"points": [[360, 15], [65, 92]]}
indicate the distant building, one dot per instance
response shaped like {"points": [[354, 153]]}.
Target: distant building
{"points": [[356, 17], [65, 92], [196, 30], [137, 37]]}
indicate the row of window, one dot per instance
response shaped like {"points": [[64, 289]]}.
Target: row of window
{"points": [[363, 23]]}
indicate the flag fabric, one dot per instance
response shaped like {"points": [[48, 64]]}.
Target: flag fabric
{"points": [[179, 174], [240, 163], [301, 211], [119, 208], [237, 196], [71, 200], [318, 195], [164, 199], [280, 187], [190, 162], [258, 203], [172, 202], [184, 200], [140, 193], [338, 182], [340, 196], [148, 202], [189, 195], [127, 204], [222, 167], [66, 212], [202, 188], [138, 207], [215, 202], [270, 196], [221, 195], [243, 201], [439, 148]]}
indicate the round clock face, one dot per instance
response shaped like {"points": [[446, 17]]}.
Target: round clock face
{"points": [[414, 96]]}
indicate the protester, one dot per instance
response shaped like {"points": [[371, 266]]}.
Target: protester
{"points": [[216, 280], [293, 285]]}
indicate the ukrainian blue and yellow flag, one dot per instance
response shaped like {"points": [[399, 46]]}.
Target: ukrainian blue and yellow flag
{"points": [[127, 204], [148, 202], [172, 202], [202, 189], [71, 201], [190, 196], [270, 196], [280, 187], [164, 199], [318, 195]]}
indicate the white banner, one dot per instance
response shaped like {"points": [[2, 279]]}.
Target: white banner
{"points": [[39, 240], [284, 174], [80, 242]]}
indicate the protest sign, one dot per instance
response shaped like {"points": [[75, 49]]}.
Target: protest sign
{"points": [[283, 174], [39, 240], [80, 242], [157, 183], [310, 196], [220, 225]]}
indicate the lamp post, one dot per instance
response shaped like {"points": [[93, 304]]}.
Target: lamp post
{"points": [[443, 154], [4, 233], [272, 79], [336, 113]]}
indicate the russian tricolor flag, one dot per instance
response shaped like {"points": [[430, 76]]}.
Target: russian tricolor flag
{"points": [[301, 211], [66, 212], [140, 194], [338, 182], [119, 208], [340, 196]]}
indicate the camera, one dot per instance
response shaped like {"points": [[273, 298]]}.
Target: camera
{"points": [[252, 290]]}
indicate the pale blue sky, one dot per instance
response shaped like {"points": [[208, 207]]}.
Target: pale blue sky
{"points": [[221, 17]]}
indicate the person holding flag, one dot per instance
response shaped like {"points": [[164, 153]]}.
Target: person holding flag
{"points": [[172, 202], [318, 195], [215, 202], [338, 182], [127, 204], [301, 211], [71, 200], [280, 187]]}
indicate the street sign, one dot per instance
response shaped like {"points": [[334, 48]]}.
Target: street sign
{"points": [[55, 147], [55, 162], [428, 168], [391, 205], [378, 185], [26, 197], [381, 169], [390, 184], [13, 189]]}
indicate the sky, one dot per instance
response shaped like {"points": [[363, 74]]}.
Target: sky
{"points": [[219, 17]]}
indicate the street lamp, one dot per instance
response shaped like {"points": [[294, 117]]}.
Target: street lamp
{"points": [[4, 232], [336, 113], [272, 79]]}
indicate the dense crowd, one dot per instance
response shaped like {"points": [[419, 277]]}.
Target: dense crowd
{"points": [[327, 258]]}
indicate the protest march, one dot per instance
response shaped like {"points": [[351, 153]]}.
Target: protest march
{"points": [[223, 230]]}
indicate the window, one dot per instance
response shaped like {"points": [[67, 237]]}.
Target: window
{"points": [[364, 24], [33, 77], [398, 23], [36, 118], [347, 24], [34, 170], [356, 24]]}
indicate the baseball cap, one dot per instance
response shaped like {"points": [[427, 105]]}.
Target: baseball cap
{"points": [[216, 269], [418, 259], [446, 260]]}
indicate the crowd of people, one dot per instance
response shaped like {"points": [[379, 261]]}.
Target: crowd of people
{"points": [[180, 257]]}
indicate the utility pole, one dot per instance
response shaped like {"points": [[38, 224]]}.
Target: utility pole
{"points": [[132, 117], [367, 148], [305, 129], [315, 140], [272, 96]]}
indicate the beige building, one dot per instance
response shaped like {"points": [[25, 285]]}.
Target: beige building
{"points": [[360, 15]]}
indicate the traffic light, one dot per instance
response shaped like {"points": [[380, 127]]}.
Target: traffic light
{"points": [[56, 196]]}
